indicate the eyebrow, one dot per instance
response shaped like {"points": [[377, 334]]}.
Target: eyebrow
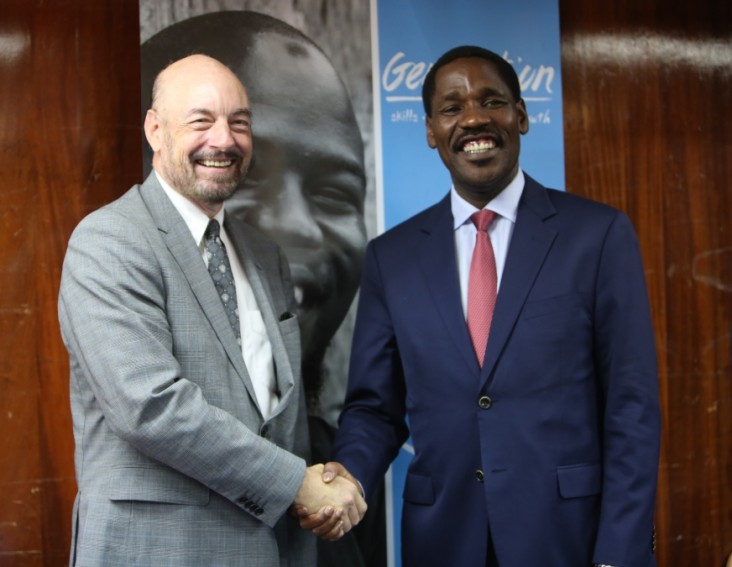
{"points": [[247, 112], [239, 111], [485, 91]]}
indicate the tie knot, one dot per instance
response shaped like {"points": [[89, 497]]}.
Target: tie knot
{"points": [[213, 229], [482, 219]]}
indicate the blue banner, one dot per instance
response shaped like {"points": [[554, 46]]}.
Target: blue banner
{"points": [[408, 35]]}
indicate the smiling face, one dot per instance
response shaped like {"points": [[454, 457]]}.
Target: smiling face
{"points": [[476, 126], [200, 131], [306, 188]]}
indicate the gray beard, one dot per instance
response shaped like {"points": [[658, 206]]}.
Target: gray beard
{"points": [[211, 192]]}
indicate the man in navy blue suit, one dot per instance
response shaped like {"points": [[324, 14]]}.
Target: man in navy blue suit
{"points": [[538, 446]]}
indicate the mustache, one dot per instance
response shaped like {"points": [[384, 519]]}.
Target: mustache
{"points": [[228, 154], [483, 130]]}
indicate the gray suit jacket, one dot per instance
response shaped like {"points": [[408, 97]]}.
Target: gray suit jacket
{"points": [[175, 464]]}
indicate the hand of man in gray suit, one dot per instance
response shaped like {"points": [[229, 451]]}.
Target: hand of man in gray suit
{"points": [[325, 523], [329, 509]]}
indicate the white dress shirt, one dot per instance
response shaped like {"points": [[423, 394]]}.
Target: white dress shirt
{"points": [[505, 205], [255, 344]]}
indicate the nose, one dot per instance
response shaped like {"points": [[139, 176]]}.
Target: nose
{"points": [[474, 115], [220, 135], [289, 217]]}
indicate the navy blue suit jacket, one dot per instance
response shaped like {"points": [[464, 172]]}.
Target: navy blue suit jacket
{"points": [[552, 447]]}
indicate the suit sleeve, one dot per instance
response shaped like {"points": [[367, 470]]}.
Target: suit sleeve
{"points": [[372, 426], [625, 359], [112, 309]]}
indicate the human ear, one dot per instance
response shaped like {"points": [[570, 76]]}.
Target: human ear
{"points": [[153, 130], [523, 116], [430, 134]]}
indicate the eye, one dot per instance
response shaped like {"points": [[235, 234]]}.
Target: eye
{"points": [[241, 125], [336, 200], [493, 102], [200, 123], [450, 110]]}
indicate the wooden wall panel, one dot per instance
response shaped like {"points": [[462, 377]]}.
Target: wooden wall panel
{"points": [[648, 128], [69, 141]]}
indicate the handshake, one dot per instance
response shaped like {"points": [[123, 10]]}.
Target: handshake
{"points": [[329, 502]]}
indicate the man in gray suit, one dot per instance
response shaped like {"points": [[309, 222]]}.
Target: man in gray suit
{"points": [[188, 408]]}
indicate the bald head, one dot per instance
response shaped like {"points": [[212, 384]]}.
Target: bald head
{"points": [[199, 129], [193, 71]]}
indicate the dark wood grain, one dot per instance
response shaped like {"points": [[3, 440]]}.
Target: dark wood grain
{"points": [[69, 141], [648, 128]]}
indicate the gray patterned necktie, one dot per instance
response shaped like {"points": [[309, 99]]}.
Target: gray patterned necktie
{"points": [[223, 278]]}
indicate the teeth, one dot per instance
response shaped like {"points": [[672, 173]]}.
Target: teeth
{"points": [[216, 163], [476, 147]]}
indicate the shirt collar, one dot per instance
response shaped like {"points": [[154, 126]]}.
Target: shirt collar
{"points": [[505, 204], [196, 220]]}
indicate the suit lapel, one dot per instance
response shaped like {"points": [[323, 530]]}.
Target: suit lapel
{"points": [[531, 241], [178, 239], [439, 265], [249, 256]]}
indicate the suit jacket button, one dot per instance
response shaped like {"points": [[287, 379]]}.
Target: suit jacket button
{"points": [[485, 402], [479, 476]]}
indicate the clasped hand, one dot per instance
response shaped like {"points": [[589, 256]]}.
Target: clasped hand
{"points": [[329, 502]]}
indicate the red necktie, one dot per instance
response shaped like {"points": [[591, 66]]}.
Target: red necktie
{"points": [[482, 284]]}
